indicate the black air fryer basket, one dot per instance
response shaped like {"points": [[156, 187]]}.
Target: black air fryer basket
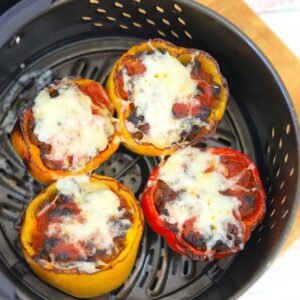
{"points": [[43, 39]]}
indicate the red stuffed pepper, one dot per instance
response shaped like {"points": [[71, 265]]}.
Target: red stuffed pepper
{"points": [[205, 203]]}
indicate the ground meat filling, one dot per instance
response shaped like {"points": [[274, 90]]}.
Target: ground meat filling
{"points": [[163, 194], [188, 114], [58, 248], [69, 161], [188, 198], [45, 150]]}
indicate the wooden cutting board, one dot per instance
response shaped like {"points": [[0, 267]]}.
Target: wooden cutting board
{"points": [[284, 61]]}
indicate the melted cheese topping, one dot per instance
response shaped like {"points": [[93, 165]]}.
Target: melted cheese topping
{"points": [[67, 123], [199, 195], [165, 82], [99, 223]]}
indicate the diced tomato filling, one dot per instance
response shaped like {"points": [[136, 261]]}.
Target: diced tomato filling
{"points": [[247, 194], [180, 110], [205, 97], [96, 92], [56, 245], [120, 87], [196, 71], [51, 215], [135, 67]]}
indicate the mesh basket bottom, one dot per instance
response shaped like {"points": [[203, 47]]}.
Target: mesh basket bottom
{"points": [[158, 271]]}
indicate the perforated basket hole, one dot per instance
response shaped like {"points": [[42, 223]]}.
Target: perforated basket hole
{"points": [[282, 184], [175, 34], [270, 189], [288, 129], [181, 21], [160, 9], [292, 171], [283, 200], [160, 32], [126, 15], [110, 18], [177, 7], [285, 213], [188, 34], [101, 10], [272, 212], [94, 1], [98, 24], [272, 225], [136, 24], [166, 22], [123, 26], [86, 18], [118, 5], [273, 132], [268, 149], [142, 11], [259, 239], [151, 22]]}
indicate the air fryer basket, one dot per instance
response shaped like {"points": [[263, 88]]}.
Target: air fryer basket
{"points": [[43, 39]]}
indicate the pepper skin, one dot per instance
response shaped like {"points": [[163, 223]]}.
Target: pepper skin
{"points": [[73, 282], [207, 73], [30, 153], [250, 218]]}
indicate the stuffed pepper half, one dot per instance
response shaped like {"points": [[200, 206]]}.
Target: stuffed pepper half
{"points": [[205, 202], [67, 130], [166, 97], [82, 234]]}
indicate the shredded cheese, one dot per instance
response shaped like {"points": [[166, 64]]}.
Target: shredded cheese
{"points": [[67, 123], [199, 195], [165, 82]]}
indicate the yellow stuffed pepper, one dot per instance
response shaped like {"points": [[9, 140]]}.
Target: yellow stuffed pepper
{"points": [[166, 97], [81, 234], [67, 130]]}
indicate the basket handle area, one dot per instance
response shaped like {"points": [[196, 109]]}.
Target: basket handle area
{"points": [[18, 15]]}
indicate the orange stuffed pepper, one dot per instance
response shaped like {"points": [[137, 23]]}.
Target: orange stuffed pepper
{"points": [[67, 130], [81, 234], [166, 97]]}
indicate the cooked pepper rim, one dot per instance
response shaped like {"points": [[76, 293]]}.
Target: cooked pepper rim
{"points": [[204, 70], [82, 284], [249, 214], [33, 154]]}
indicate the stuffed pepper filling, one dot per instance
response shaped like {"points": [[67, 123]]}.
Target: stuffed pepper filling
{"points": [[169, 101], [83, 228], [68, 127], [204, 197]]}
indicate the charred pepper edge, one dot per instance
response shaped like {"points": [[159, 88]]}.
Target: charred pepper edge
{"points": [[30, 153], [177, 243], [147, 148]]}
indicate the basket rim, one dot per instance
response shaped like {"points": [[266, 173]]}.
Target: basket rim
{"points": [[295, 123]]}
